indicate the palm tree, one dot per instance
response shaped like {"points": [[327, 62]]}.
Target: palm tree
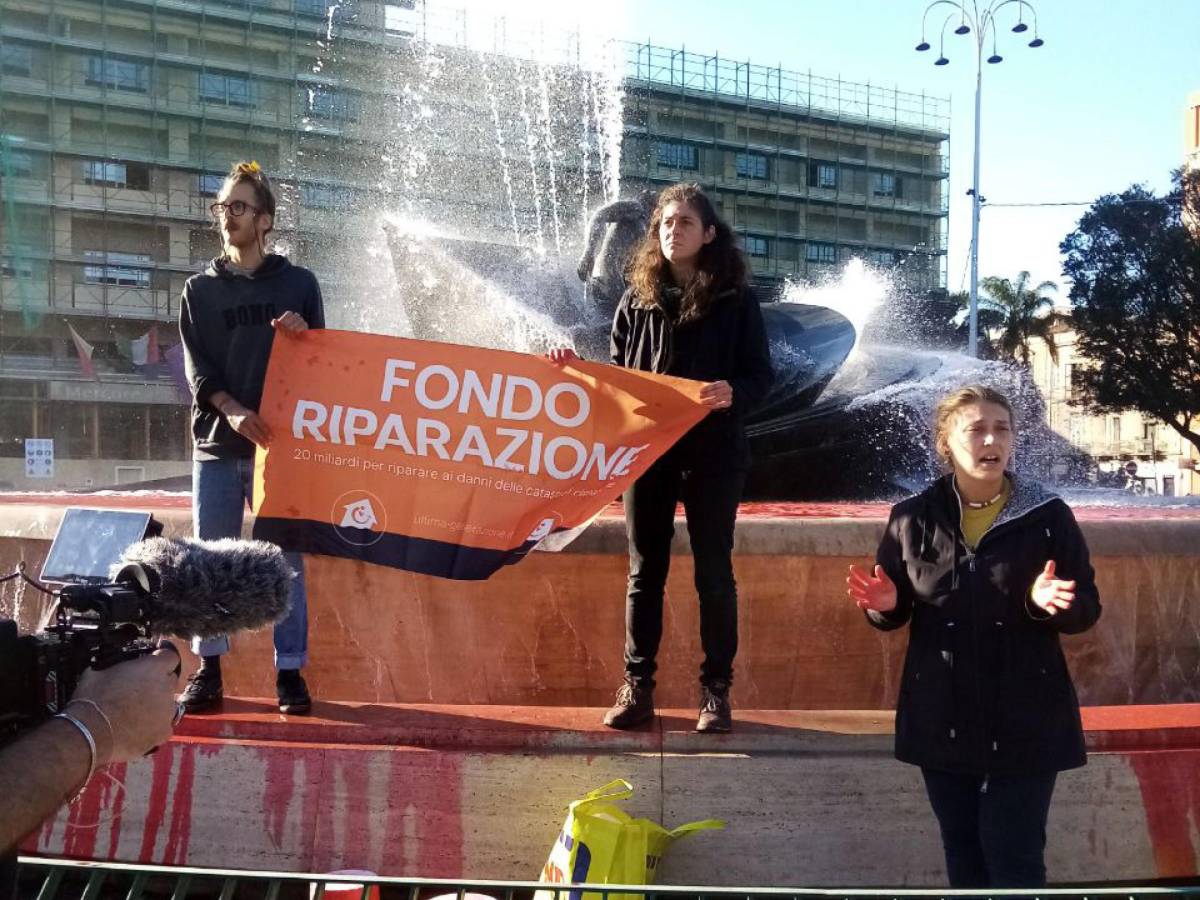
{"points": [[1013, 313]]}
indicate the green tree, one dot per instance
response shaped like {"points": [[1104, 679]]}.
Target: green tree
{"points": [[1011, 314], [1134, 260]]}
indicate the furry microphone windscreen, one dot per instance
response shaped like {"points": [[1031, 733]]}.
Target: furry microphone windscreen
{"points": [[211, 588]]}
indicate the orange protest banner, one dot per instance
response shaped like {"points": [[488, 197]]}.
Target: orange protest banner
{"points": [[448, 460]]}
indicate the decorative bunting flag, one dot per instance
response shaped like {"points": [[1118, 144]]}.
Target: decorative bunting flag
{"points": [[85, 350]]}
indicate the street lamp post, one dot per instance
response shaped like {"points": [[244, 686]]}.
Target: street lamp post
{"points": [[972, 18]]}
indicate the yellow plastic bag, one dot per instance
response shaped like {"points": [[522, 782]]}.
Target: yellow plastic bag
{"points": [[600, 843]]}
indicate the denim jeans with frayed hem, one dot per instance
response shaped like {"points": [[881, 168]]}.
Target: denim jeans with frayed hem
{"points": [[220, 491]]}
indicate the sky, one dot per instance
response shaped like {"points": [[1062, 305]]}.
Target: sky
{"points": [[1098, 108]]}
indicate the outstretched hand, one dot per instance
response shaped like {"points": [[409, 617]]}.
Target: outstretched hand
{"points": [[1050, 593], [561, 356], [873, 591]]}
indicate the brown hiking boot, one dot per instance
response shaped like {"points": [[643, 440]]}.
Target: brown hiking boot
{"points": [[716, 715], [635, 705]]}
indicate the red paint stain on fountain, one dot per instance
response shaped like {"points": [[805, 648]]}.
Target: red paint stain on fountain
{"points": [[437, 808], [278, 791], [1170, 786], [180, 760], [179, 831]]}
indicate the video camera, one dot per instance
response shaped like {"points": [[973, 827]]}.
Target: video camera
{"points": [[98, 620]]}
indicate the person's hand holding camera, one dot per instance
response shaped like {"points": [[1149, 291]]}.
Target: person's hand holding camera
{"points": [[129, 708]]}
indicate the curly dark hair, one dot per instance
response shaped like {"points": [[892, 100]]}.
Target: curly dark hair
{"points": [[719, 268]]}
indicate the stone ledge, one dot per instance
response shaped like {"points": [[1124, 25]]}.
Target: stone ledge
{"points": [[757, 535], [493, 728]]}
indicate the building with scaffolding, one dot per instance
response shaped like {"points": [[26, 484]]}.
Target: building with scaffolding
{"points": [[810, 171], [119, 118]]}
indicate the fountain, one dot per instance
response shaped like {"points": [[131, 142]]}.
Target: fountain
{"points": [[478, 217]]}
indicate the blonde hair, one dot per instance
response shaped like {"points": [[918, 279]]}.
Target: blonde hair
{"points": [[251, 173], [949, 407]]}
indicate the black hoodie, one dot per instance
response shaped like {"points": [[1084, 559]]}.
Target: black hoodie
{"points": [[225, 322]]}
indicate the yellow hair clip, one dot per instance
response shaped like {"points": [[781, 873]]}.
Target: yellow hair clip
{"points": [[249, 168]]}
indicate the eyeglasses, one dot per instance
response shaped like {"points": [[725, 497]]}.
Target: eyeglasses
{"points": [[236, 208]]}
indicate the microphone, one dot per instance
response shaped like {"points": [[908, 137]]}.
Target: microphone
{"points": [[207, 588]]}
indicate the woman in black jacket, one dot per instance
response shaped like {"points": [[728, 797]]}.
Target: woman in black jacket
{"points": [[688, 312], [989, 569]]}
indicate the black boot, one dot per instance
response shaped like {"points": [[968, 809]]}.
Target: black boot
{"points": [[635, 705], [716, 715], [294, 699], [204, 688]]}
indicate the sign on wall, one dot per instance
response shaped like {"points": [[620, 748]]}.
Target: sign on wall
{"points": [[39, 457]]}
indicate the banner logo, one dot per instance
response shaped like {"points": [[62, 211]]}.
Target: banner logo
{"points": [[357, 514]]}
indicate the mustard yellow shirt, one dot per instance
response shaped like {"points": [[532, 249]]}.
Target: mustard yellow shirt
{"points": [[975, 522]]}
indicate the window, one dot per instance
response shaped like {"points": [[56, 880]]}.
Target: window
{"points": [[16, 59], [135, 176], [122, 431], [16, 420], [820, 252], [757, 246], [822, 174], [109, 174], [1113, 430], [882, 257], [72, 426], [677, 156], [751, 165], [16, 267], [117, 268], [313, 7], [883, 184], [20, 164], [229, 90], [335, 106], [170, 426], [399, 17], [1075, 380], [119, 74], [208, 184], [326, 196]]}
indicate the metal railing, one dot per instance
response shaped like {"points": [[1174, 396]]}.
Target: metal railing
{"points": [[54, 879], [748, 81]]}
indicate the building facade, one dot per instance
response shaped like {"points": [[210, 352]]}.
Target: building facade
{"points": [[1129, 449], [119, 118], [810, 171]]}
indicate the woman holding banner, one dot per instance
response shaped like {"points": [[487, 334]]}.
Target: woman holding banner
{"points": [[228, 318], [688, 312], [989, 569]]}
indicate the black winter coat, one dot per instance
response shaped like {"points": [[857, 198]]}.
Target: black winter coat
{"points": [[728, 343], [985, 687]]}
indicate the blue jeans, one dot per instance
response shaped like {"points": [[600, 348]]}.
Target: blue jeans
{"points": [[220, 491]]}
